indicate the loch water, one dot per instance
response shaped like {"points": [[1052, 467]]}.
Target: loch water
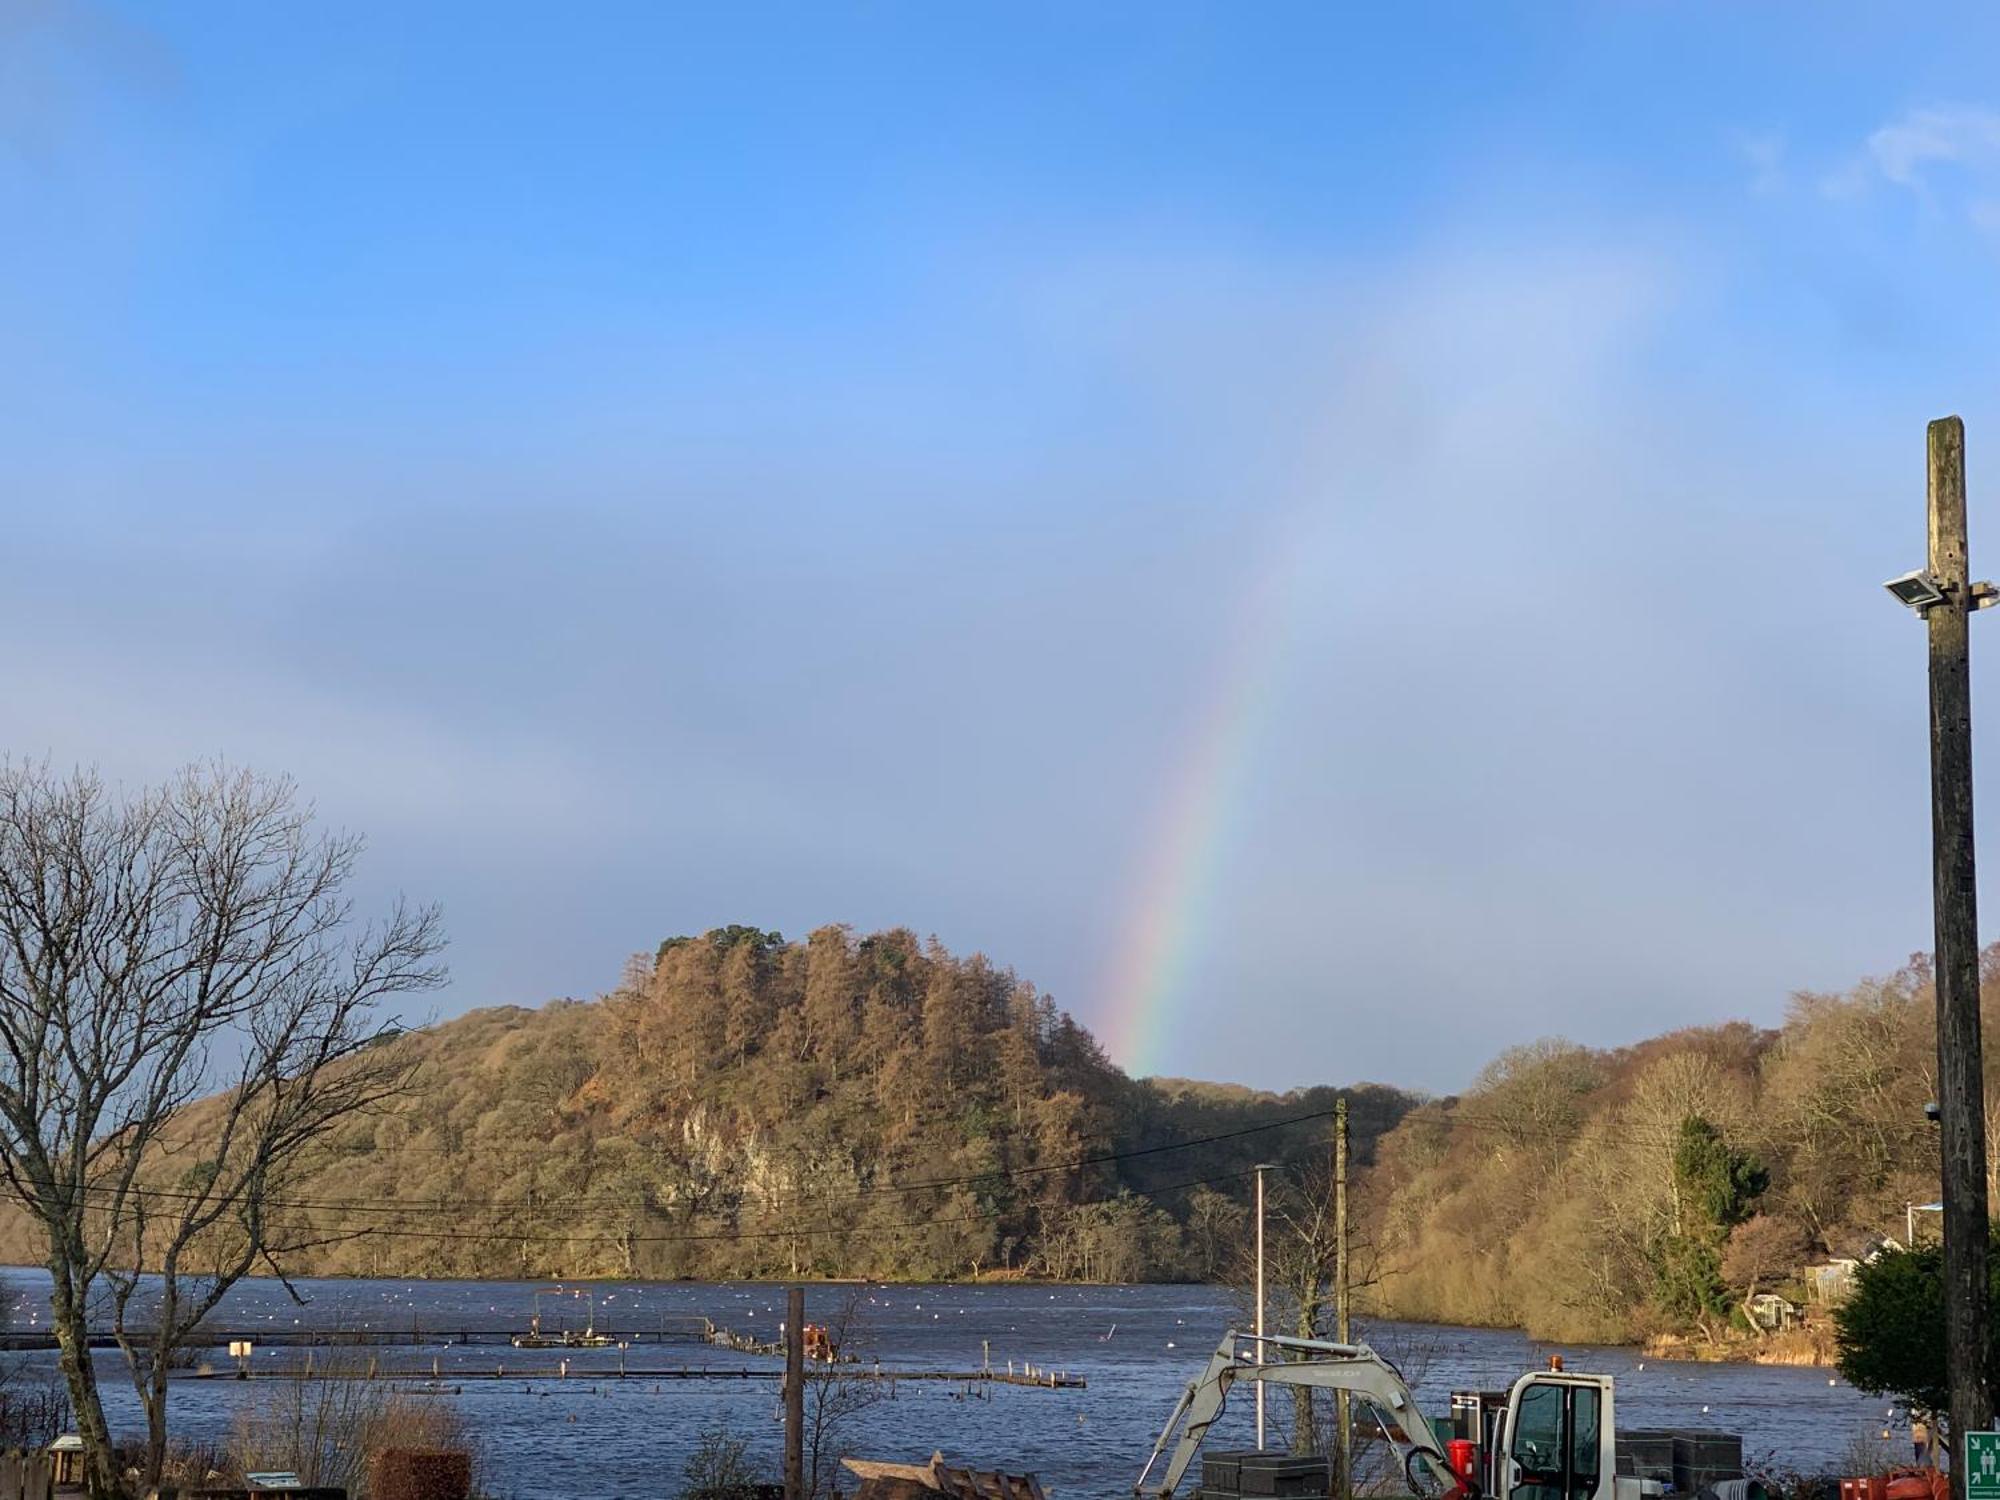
{"points": [[594, 1436]]}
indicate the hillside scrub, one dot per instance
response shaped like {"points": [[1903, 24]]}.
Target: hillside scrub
{"points": [[1612, 1195]]}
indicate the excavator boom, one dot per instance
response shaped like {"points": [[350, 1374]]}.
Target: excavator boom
{"points": [[1313, 1363]]}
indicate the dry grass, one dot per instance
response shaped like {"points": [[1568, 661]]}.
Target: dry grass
{"points": [[327, 1427], [1868, 1454]]}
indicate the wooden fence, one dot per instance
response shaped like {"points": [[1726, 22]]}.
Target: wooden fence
{"points": [[26, 1476]]}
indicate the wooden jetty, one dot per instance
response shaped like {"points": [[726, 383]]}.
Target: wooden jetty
{"points": [[672, 1329], [571, 1371]]}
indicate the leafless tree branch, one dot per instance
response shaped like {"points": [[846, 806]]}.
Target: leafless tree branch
{"points": [[187, 1008]]}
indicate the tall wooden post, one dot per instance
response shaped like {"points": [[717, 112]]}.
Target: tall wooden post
{"points": [[1263, 1355], [795, 1393], [1343, 1409], [1960, 1083]]}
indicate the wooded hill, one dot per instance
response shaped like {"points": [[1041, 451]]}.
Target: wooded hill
{"points": [[747, 1106], [1606, 1195]]}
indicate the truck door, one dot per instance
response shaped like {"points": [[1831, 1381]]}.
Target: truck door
{"points": [[1554, 1441]]}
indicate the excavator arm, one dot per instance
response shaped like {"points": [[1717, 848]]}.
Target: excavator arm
{"points": [[1297, 1362]]}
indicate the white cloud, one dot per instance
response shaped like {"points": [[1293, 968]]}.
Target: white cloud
{"points": [[1961, 135], [1947, 156]]}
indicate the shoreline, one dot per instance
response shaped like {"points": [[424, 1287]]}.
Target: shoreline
{"points": [[1799, 1348], [1802, 1349]]}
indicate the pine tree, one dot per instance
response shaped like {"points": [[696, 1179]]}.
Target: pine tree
{"points": [[832, 1009]]}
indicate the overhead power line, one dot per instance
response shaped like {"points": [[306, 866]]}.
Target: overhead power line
{"points": [[537, 1204], [804, 1230]]}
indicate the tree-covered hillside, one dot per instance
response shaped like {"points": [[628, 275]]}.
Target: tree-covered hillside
{"points": [[1657, 1187], [748, 1106]]}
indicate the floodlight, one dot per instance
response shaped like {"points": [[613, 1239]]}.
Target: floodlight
{"points": [[1917, 589]]}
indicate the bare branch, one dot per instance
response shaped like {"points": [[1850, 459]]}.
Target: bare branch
{"points": [[186, 1007]]}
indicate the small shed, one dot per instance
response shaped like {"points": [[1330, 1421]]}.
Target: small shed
{"points": [[1772, 1313], [66, 1462], [1832, 1280]]}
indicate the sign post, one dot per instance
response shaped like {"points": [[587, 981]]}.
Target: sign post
{"points": [[1982, 1466]]}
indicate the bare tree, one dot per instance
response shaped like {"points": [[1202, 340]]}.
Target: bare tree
{"points": [[836, 1393], [1302, 1252], [328, 1423], [158, 947]]}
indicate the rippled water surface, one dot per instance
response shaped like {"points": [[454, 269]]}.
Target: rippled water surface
{"points": [[592, 1435]]}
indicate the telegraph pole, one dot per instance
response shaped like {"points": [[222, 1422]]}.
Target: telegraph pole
{"points": [[1263, 1354], [1960, 1085], [795, 1393], [1344, 1411]]}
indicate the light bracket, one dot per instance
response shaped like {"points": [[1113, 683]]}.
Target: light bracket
{"points": [[1918, 589]]}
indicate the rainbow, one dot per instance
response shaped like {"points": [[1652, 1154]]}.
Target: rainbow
{"points": [[1147, 978]]}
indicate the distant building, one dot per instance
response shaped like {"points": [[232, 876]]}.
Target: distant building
{"points": [[1774, 1314], [1832, 1280]]}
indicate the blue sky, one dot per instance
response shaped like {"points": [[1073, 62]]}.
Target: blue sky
{"points": [[651, 467]]}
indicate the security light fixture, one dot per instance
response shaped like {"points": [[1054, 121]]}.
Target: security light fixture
{"points": [[1917, 589]]}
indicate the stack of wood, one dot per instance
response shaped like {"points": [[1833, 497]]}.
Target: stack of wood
{"points": [[887, 1481]]}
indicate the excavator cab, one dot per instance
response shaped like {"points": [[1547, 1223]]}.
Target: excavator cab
{"points": [[1557, 1441]]}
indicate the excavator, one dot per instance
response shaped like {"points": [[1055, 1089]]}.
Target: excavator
{"points": [[1550, 1436]]}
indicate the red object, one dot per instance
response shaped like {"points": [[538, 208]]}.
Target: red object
{"points": [[1917, 1484], [1463, 1455]]}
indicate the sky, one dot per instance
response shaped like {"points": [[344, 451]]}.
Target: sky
{"points": [[1331, 539]]}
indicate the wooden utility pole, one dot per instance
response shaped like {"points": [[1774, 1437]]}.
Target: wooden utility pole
{"points": [[795, 1393], [1960, 1081], [1263, 1354], [1343, 1410]]}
